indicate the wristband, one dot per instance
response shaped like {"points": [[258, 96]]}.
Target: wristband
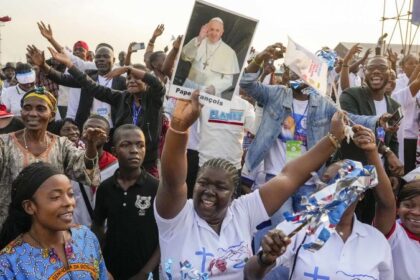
{"points": [[178, 131], [344, 65], [334, 141], [260, 65]]}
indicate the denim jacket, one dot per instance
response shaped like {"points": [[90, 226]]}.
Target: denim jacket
{"points": [[277, 102]]}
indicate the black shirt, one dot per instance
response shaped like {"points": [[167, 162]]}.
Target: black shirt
{"points": [[132, 234], [14, 125]]}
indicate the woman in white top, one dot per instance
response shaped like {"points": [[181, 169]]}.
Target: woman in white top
{"points": [[404, 236], [210, 235], [354, 251]]}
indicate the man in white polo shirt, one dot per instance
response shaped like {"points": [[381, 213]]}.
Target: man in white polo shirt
{"points": [[11, 96]]}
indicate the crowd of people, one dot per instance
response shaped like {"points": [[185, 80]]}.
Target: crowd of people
{"points": [[103, 175]]}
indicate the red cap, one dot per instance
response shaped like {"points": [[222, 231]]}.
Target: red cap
{"points": [[81, 44], [4, 113]]}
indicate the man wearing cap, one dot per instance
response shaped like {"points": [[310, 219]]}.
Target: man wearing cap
{"points": [[11, 96], [213, 62], [9, 74]]}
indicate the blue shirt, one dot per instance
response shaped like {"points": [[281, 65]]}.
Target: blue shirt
{"points": [[19, 260]]}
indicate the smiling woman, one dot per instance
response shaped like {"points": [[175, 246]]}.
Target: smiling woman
{"points": [[39, 229], [34, 143]]}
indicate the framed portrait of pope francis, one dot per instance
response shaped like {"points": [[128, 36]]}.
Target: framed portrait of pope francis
{"points": [[213, 53]]}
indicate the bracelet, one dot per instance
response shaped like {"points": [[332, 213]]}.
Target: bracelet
{"points": [[94, 159], [260, 65], [260, 260], [178, 131], [334, 141], [344, 65], [151, 43]]}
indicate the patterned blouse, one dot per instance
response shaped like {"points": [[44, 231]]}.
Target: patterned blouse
{"points": [[20, 261], [61, 153]]}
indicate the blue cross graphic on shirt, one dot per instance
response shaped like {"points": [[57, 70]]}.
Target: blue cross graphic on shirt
{"points": [[203, 260], [315, 275]]}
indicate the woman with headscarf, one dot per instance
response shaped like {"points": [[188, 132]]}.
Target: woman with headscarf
{"points": [[38, 240], [34, 143]]}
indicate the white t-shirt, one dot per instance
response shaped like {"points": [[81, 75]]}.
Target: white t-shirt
{"points": [[293, 128], [409, 124], [100, 107], [354, 81], [405, 252], [365, 255], [74, 93], [11, 97], [380, 107], [187, 237], [222, 133]]}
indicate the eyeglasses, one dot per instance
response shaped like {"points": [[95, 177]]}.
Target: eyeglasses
{"points": [[382, 68]]}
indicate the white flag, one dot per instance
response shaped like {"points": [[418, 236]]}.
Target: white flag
{"points": [[307, 66]]}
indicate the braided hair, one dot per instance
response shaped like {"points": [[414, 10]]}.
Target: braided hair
{"points": [[228, 167], [23, 188]]}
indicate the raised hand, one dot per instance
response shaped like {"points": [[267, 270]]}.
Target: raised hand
{"points": [[61, 57], [394, 164], [186, 112], [46, 32], [177, 43], [364, 138], [130, 47], [274, 52], [37, 57], [203, 32], [355, 49], [274, 245], [392, 56], [159, 30], [367, 53]]}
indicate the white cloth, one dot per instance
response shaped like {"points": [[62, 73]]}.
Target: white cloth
{"points": [[354, 81], [74, 93], [405, 253], [212, 64], [365, 253], [275, 159], [409, 124], [11, 97], [194, 136], [81, 214], [222, 133], [187, 237], [99, 107], [380, 107]]}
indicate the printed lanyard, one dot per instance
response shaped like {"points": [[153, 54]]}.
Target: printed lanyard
{"points": [[301, 118], [136, 113]]}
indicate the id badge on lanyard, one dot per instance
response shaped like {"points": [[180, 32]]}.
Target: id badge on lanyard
{"points": [[293, 149]]}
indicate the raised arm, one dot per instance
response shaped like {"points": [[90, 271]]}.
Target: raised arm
{"points": [[344, 74], [415, 81], [385, 202], [38, 58], [151, 45], [127, 61], [168, 64], [276, 191], [47, 33], [172, 192]]}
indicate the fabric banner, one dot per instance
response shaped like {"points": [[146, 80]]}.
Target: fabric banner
{"points": [[309, 67]]}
